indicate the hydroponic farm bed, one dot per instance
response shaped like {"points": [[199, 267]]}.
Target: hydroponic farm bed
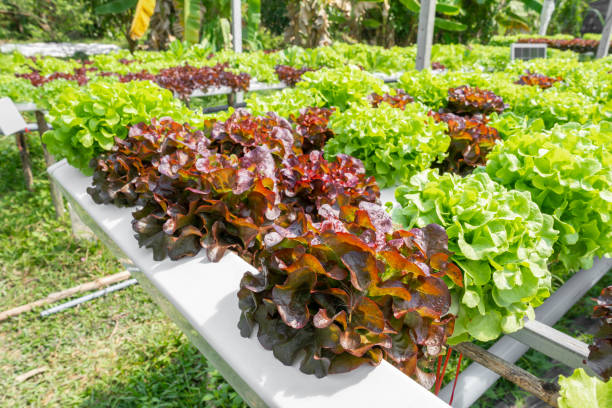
{"points": [[340, 223]]}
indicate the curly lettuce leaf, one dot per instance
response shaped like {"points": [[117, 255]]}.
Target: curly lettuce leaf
{"points": [[581, 390], [567, 172], [86, 120], [393, 144], [500, 240]]}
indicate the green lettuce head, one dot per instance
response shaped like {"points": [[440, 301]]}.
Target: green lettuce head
{"points": [[87, 119], [393, 144], [581, 390], [568, 172], [500, 240]]}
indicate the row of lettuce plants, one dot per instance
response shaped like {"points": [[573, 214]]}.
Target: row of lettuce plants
{"points": [[497, 200]]}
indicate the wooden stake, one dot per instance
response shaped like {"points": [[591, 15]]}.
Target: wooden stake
{"points": [[547, 392], [25, 376], [26, 163], [56, 196], [54, 297]]}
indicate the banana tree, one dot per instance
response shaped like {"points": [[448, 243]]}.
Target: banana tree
{"points": [[365, 20], [194, 21], [137, 15], [121, 11], [309, 23], [446, 10], [518, 15]]}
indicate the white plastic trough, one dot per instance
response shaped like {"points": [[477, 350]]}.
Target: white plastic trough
{"points": [[201, 298]]}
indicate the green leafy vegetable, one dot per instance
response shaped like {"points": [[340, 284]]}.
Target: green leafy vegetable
{"points": [[581, 390], [567, 172], [393, 143], [86, 120], [500, 240], [342, 86], [285, 103]]}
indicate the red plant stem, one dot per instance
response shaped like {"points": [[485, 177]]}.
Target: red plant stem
{"points": [[439, 365], [439, 380], [455, 382]]}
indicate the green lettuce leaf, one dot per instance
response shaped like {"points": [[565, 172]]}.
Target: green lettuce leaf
{"points": [[393, 144], [581, 390], [500, 240], [87, 119], [567, 173]]}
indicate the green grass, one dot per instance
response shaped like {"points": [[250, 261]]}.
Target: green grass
{"points": [[120, 350], [116, 351]]}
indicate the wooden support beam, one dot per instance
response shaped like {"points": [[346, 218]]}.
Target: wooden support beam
{"points": [[606, 33], [427, 18], [26, 163], [56, 196], [547, 392]]}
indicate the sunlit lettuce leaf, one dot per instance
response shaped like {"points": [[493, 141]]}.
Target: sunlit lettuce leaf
{"points": [[500, 240], [581, 390], [87, 120], [567, 173], [393, 143]]}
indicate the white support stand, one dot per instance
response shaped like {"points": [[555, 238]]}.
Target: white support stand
{"points": [[547, 10], [604, 43], [79, 229], [237, 97], [427, 18]]}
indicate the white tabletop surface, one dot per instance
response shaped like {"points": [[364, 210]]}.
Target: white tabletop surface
{"points": [[205, 294]]}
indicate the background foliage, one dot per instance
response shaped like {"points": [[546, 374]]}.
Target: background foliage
{"points": [[55, 20], [306, 23]]}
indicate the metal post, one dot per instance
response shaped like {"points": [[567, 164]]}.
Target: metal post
{"points": [[427, 17], [604, 43], [476, 379], [235, 98], [236, 26], [56, 195], [86, 298], [547, 10]]}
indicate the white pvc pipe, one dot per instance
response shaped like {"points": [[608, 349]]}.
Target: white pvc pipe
{"points": [[547, 11], [86, 298], [427, 17], [604, 42], [236, 26], [237, 38]]}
